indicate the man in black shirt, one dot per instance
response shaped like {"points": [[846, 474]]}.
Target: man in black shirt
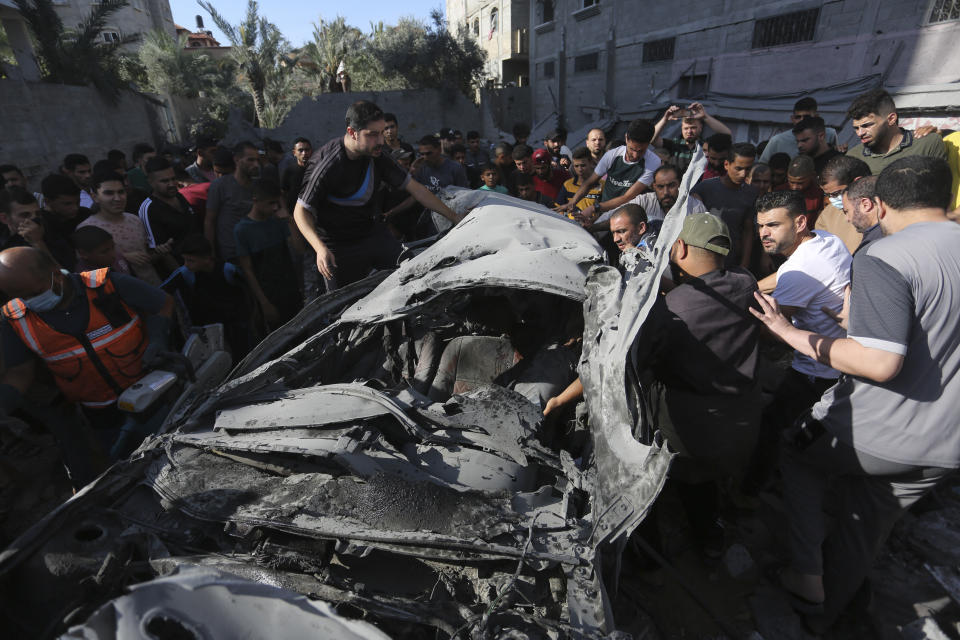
{"points": [[339, 211], [811, 133], [166, 215], [292, 178]]}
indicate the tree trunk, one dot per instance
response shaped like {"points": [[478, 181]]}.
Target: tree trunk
{"points": [[258, 105]]}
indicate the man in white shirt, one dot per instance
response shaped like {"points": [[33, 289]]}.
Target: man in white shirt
{"points": [[813, 278]]}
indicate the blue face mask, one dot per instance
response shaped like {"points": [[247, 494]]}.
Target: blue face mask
{"points": [[837, 201], [45, 301]]}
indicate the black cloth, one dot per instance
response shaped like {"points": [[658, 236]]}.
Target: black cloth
{"points": [[344, 194], [357, 258], [63, 227], [821, 161], [140, 296], [290, 184], [708, 339], [163, 222]]}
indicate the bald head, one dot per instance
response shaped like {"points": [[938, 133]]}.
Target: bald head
{"points": [[26, 272]]}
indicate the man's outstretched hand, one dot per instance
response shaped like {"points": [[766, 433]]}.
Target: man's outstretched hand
{"points": [[326, 263]]}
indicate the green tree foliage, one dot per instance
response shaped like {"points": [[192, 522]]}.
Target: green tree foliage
{"points": [[429, 56], [170, 68], [77, 56], [261, 55]]}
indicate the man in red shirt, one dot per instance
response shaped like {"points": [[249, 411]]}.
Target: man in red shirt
{"points": [[546, 179]]}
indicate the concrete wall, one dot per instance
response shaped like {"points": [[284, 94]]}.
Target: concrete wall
{"points": [[44, 122], [419, 112], [853, 38]]}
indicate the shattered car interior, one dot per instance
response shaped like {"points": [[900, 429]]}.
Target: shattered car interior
{"points": [[381, 464]]}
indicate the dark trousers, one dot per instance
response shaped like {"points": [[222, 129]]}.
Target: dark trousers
{"points": [[357, 258], [871, 493], [795, 395]]}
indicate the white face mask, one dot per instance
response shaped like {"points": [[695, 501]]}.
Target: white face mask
{"points": [[837, 201], [48, 299]]}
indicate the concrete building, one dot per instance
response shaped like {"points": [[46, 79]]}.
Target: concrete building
{"points": [[202, 41], [502, 29], [140, 16], [594, 60]]}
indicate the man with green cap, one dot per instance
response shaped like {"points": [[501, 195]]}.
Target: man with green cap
{"points": [[701, 343]]}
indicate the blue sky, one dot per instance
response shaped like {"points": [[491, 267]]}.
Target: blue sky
{"points": [[296, 19]]}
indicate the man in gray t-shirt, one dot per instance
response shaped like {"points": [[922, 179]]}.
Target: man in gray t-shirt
{"points": [[436, 171], [230, 199], [889, 430]]}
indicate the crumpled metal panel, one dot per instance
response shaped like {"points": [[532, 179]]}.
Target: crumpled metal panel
{"points": [[204, 604], [502, 242], [629, 474]]}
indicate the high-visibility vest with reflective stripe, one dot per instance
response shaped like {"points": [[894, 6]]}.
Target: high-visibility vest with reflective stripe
{"points": [[119, 349]]}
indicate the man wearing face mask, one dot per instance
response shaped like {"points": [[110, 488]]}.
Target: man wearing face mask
{"points": [[96, 332], [838, 174]]}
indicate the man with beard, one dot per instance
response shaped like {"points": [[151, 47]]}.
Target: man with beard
{"points": [[166, 215], [597, 144], [716, 148], [882, 140], [666, 189], [811, 134], [230, 199], [337, 211], [691, 130], [77, 167]]}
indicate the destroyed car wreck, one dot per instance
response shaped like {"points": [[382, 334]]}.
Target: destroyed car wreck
{"points": [[384, 453]]}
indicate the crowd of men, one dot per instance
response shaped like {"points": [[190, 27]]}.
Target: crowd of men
{"points": [[847, 256]]}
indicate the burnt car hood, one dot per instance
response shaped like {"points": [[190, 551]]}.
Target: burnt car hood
{"points": [[326, 464]]}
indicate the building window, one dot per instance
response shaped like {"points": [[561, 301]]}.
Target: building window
{"points": [[787, 28], [586, 62], [945, 10], [476, 28], [693, 85], [546, 11], [494, 22], [659, 50], [110, 36], [590, 3], [549, 69]]}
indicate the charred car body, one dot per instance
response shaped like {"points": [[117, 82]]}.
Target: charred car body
{"points": [[384, 452]]}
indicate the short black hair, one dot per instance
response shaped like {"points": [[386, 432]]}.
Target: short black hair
{"points": [[473, 135], [805, 104], [780, 161], [504, 148], [7, 168], [390, 117], [89, 238], [865, 187], [915, 182], [265, 189], [522, 179], [157, 163], [634, 212], [101, 166], [521, 130], [580, 153], [429, 141], [204, 142], [272, 145], [223, 157], [361, 113], [667, 167], [813, 123], [73, 160], [140, 149], [99, 177], [844, 169], [488, 167], [116, 157], [792, 201], [300, 139], [876, 101], [56, 185], [640, 130], [458, 148], [521, 151], [194, 244], [14, 195], [720, 142], [742, 149], [241, 147]]}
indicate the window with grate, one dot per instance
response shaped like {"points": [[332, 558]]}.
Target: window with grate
{"points": [[546, 11], [945, 10], [693, 85], [787, 28], [586, 62], [659, 50], [590, 3], [549, 69], [476, 28]]}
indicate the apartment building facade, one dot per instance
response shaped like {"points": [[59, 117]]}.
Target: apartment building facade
{"points": [[501, 27]]}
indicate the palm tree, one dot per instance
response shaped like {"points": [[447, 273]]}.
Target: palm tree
{"points": [[172, 69], [258, 48], [77, 56]]}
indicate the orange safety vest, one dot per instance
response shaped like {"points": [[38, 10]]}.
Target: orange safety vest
{"points": [[94, 368]]}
